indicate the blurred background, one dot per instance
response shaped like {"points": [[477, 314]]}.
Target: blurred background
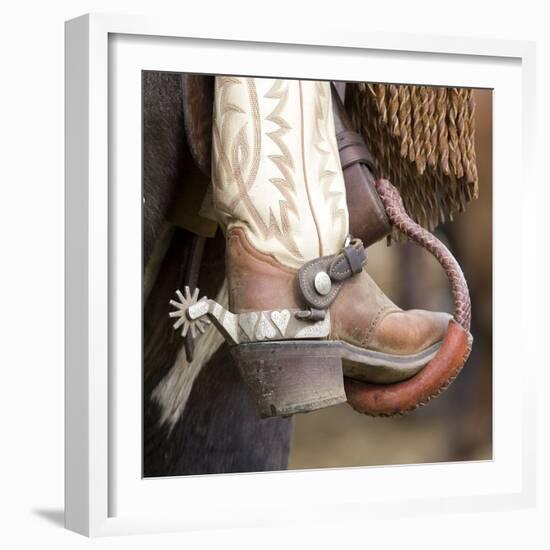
{"points": [[458, 425]]}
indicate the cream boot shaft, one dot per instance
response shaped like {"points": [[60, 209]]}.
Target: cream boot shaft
{"points": [[276, 169]]}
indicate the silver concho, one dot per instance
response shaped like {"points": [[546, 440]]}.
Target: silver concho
{"points": [[322, 283]]}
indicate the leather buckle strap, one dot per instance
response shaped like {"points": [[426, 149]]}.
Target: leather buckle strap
{"points": [[320, 280], [349, 262], [352, 149]]}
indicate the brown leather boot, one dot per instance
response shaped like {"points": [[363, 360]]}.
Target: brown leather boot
{"points": [[301, 304], [378, 341]]}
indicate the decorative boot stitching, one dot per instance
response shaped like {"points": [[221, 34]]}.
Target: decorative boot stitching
{"points": [[237, 166], [381, 314]]}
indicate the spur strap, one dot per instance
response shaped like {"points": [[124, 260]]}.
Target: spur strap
{"points": [[320, 280]]}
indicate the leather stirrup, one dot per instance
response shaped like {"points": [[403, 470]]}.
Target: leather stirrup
{"points": [[401, 397]]}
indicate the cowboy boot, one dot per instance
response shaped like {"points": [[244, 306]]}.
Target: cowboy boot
{"points": [[301, 304]]}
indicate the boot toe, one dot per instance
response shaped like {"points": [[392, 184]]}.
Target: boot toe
{"points": [[409, 332]]}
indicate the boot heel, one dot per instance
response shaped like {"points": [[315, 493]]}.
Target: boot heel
{"points": [[290, 377]]}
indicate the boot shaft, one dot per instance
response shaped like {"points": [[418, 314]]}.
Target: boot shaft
{"points": [[276, 170]]}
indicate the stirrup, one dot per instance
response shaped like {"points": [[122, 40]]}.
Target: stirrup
{"points": [[437, 375]]}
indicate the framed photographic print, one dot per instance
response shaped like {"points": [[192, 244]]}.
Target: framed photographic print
{"points": [[279, 249]]}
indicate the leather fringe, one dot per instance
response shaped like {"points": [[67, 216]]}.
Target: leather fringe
{"points": [[423, 140]]}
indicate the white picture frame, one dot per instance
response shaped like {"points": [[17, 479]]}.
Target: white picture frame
{"points": [[105, 493]]}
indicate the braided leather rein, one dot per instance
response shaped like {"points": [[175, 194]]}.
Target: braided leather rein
{"points": [[393, 203]]}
